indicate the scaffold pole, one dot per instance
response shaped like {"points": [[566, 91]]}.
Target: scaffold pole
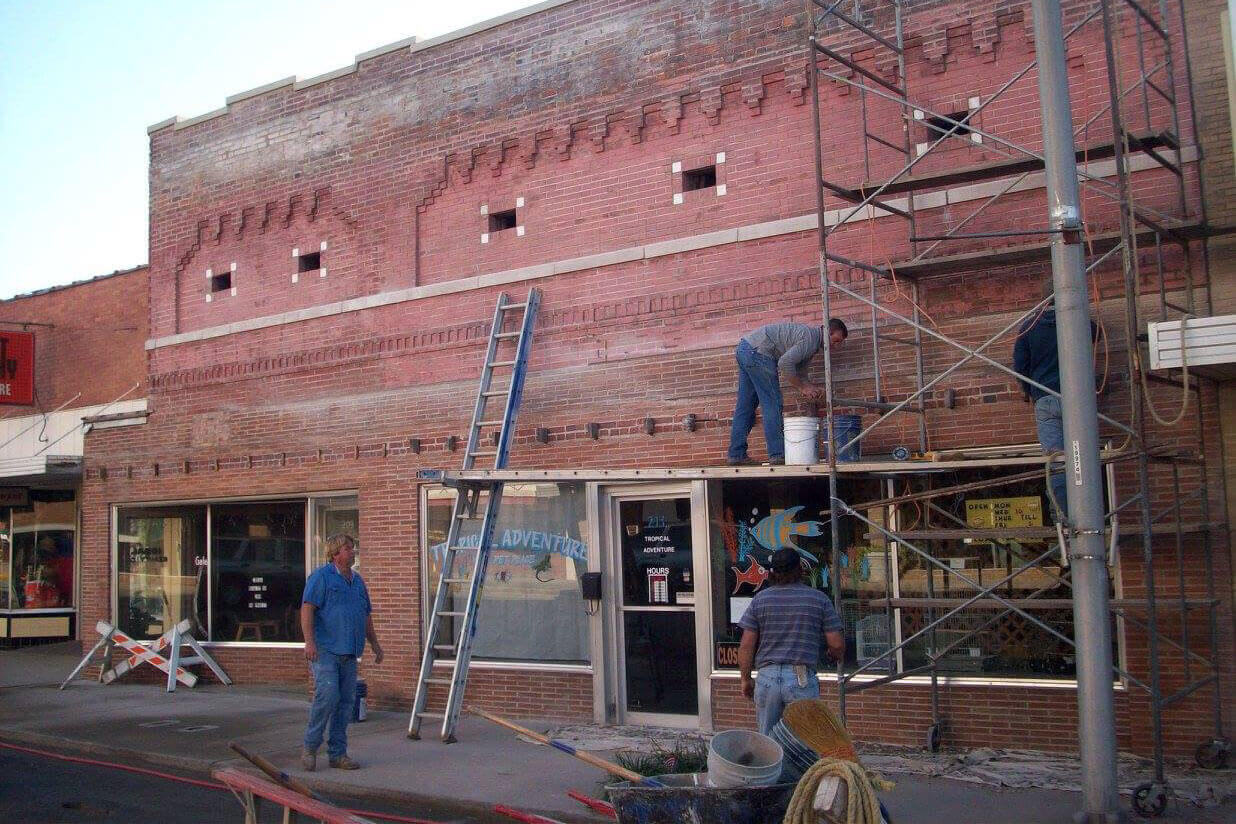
{"points": [[1083, 470]]}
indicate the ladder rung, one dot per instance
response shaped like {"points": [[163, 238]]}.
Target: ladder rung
{"points": [[456, 580], [451, 614], [428, 714], [490, 423], [494, 393], [511, 306], [501, 363], [507, 335], [459, 547], [450, 648], [446, 682], [483, 454], [472, 517]]}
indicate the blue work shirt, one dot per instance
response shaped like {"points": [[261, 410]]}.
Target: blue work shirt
{"points": [[342, 610]]}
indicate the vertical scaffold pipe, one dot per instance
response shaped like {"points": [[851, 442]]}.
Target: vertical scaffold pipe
{"points": [[1083, 471]]}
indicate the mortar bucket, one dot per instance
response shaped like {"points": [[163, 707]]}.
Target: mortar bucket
{"points": [[742, 758], [801, 441]]}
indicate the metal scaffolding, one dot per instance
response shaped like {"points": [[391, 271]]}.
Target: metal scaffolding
{"points": [[1135, 225]]}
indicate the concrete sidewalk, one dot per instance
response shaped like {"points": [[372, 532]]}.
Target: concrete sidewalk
{"points": [[190, 730]]}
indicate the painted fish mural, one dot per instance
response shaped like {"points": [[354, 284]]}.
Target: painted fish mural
{"points": [[754, 574], [777, 531]]}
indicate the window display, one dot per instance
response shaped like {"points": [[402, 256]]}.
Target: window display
{"points": [[41, 541], [239, 580], [750, 519], [257, 569], [532, 608], [160, 570]]}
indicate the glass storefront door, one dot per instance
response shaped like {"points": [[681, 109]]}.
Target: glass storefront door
{"points": [[655, 583]]}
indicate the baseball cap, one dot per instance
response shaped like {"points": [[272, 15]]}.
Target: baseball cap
{"points": [[785, 560]]}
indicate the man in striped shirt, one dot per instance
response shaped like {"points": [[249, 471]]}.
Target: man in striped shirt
{"points": [[783, 631]]}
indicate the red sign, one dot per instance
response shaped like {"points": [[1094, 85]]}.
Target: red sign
{"points": [[17, 367]]}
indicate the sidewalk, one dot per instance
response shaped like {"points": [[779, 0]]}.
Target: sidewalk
{"points": [[190, 730]]}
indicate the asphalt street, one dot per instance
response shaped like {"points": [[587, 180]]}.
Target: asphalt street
{"points": [[38, 789]]}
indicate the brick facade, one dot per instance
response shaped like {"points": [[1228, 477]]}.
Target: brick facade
{"points": [[318, 383]]}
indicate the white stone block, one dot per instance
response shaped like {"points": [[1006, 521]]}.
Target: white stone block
{"points": [[678, 198]]}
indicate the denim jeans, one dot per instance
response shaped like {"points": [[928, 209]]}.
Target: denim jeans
{"points": [[334, 694], [757, 385], [776, 686], [1051, 435]]}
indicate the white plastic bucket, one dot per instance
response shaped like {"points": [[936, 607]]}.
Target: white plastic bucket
{"points": [[742, 758], [802, 441]]}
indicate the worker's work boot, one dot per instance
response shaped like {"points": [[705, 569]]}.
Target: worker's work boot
{"points": [[740, 462], [344, 763], [308, 760], [777, 461]]}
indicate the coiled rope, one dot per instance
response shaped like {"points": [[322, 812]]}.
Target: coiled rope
{"points": [[862, 806]]}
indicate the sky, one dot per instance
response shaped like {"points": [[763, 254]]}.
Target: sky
{"points": [[80, 80]]}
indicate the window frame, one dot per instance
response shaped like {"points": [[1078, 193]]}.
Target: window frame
{"points": [[307, 498]]}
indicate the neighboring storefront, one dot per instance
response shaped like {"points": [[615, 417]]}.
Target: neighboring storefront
{"points": [[72, 361]]}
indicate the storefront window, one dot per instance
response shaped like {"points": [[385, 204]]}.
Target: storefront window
{"points": [[749, 521], [333, 516], [883, 589], [43, 537], [160, 569], [532, 608], [240, 579], [257, 568]]}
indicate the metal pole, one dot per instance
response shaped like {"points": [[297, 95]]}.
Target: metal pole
{"points": [[1087, 553]]}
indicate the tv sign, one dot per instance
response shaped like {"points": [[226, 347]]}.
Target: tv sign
{"points": [[17, 367]]}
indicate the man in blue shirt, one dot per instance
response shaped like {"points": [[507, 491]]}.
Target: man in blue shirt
{"points": [[335, 618], [1035, 356], [783, 631]]}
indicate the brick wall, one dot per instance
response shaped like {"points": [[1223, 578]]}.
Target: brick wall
{"points": [[92, 342], [391, 165]]}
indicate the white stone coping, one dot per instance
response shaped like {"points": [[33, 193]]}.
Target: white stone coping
{"points": [[410, 43], [649, 251]]}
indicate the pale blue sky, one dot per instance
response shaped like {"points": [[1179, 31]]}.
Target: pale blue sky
{"points": [[80, 81]]}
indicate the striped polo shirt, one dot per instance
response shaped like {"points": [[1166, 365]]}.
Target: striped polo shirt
{"points": [[791, 620]]}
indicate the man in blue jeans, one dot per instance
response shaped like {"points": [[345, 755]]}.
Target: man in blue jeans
{"points": [[763, 356], [1035, 356], [335, 617], [783, 631]]}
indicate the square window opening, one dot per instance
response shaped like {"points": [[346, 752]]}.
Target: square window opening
{"points": [[942, 125], [221, 282], [310, 262], [704, 177], [501, 221]]}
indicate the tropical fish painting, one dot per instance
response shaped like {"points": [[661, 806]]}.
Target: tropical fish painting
{"points": [[778, 530], [754, 574]]}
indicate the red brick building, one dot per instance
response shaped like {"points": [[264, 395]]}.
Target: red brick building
{"points": [[88, 370], [325, 257]]}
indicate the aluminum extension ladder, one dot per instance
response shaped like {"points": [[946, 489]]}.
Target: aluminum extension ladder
{"points": [[475, 501]]}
